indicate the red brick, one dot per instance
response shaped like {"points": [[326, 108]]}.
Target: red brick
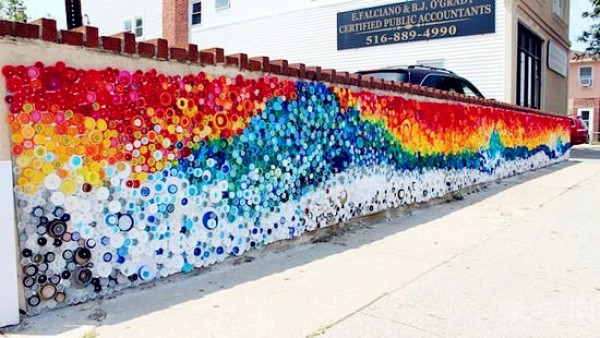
{"points": [[27, 31], [49, 32], [146, 50], [282, 66], [218, 52], [71, 38], [176, 22], [343, 77], [298, 70], [192, 52], [128, 41], [366, 80], [354, 79], [178, 54], [6, 27], [162, 48], [376, 83], [254, 65], [244, 65], [92, 36], [265, 65], [207, 58], [328, 75], [405, 87], [111, 44], [274, 69], [239, 60], [313, 73], [388, 85]]}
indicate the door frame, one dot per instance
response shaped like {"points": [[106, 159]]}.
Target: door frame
{"points": [[591, 129]]}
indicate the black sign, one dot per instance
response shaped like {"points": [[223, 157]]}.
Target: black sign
{"points": [[413, 21]]}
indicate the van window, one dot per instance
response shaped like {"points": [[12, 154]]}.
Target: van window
{"points": [[450, 84], [391, 76], [469, 89], [446, 83]]}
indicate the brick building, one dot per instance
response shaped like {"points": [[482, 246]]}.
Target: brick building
{"points": [[584, 92]]}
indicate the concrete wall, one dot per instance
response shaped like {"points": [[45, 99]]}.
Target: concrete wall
{"points": [[128, 169]]}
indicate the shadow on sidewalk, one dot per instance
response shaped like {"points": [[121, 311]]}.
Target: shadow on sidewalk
{"points": [[585, 151], [169, 292]]}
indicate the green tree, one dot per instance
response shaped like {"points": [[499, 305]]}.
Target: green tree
{"points": [[13, 10], [592, 36]]}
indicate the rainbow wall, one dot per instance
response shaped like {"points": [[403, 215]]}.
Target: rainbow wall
{"points": [[122, 176]]}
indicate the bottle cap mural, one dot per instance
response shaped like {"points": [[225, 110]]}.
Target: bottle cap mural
{"points": [[123, 176]]}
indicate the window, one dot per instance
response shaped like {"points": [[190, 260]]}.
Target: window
{"points": [[584, 116], [127, 25], [196, 12], [221, 4], [135, 26], [583, 122], [469, 90], [585, 76], [451, 84], [391, 76], [139, 27], [558, 7], [529, 65]]}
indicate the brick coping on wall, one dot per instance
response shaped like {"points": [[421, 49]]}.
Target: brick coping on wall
{"points": [[158, 49]]}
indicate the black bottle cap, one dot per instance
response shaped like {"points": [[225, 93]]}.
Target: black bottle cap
{"points": [[82, 255], [34, 301], [27, 253]]}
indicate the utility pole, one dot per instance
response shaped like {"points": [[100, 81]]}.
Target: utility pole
{"points": [[73, 9]]}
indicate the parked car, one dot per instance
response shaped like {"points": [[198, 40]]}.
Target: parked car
{"points": [[579, 131], [433, 77]]}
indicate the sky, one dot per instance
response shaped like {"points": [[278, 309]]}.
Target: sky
{"points": [[56, 10]]}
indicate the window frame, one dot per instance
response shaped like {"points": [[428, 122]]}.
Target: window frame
{"points": [[591, 76], [558, 8], [529, 68], [193, 13], [398, 76], [128, 22], [218, 8], [135, 27]]}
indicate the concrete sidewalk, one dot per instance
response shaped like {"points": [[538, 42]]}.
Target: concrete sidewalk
{"points": [[518, 259]]}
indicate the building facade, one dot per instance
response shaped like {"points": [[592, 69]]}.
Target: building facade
{"points": [[584, 92], [512, 50]]}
